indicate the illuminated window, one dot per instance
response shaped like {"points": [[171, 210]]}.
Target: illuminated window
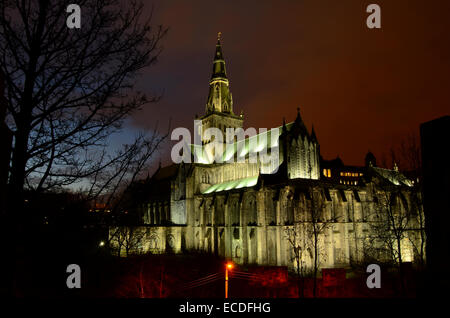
{"points": [[325, 172], [342, 174]]}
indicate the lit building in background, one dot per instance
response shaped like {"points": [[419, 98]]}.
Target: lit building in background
{"points": [[242, 211]]}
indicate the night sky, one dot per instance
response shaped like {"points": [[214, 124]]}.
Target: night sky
{"points": [[361, 88]]}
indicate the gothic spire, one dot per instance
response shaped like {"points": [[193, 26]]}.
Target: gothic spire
{"points": [[219, 97], [299, 128], [219, 62]]}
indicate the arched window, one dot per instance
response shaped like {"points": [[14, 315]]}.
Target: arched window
{"points": [[219, 212], [207, 213], [234, 209], [157, 213], [271, 204], [237, 252], [152, 213], [154, 244], [250, 210], [287, 207], [170, 243]]}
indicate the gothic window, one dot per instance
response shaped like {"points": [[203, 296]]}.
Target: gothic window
{"points": [[219, 212], [151, 209], [297, 149], [288, 208], [147, 214], [170, 242], [206, 178], [250, 210], [166, 212], [157, 215], [237, 253], [154, 243], [162, 213], [207, 213], [235, 219], [270, 210], [290, 211]]}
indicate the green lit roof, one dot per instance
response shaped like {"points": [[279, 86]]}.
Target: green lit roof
{"points": [[234, 184], [393, 176], [247, 146]]}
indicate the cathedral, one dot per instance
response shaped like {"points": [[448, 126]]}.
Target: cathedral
{"points": [[295, 211]]}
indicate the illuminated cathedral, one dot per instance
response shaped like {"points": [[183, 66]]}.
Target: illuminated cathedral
{"points": [[265, 213]]}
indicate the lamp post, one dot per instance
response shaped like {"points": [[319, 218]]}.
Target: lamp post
{"points": [[228, 267]]}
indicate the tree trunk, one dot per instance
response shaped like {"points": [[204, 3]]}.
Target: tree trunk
{"points": [[17, 177], [299, 277], [315, 263], [400, 269]]}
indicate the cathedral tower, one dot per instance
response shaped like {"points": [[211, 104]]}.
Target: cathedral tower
{"points": [[301, 150], [219, 106]]}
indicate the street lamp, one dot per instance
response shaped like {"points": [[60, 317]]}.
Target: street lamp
{"points": [[228, 267]]}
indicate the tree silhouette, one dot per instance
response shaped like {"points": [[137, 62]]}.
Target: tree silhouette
{"points": [[67, 90]]}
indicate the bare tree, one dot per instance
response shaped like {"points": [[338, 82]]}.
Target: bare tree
{"points": [[406, 157], [129, 238], [317, 222], [417, 236], [67, 90], [409, 159], [389, 225], [294, 238]]}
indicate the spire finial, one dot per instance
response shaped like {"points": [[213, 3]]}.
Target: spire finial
{"points": [[298, 115], [219, 35]]}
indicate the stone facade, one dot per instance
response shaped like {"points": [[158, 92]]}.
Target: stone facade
{"points": [[251, 214]]}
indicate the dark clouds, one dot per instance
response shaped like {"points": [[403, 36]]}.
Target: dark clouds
{"points": [[362, 89]]}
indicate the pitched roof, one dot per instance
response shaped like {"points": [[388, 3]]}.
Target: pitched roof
{"points": [[395, 177], [234, 184]]}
